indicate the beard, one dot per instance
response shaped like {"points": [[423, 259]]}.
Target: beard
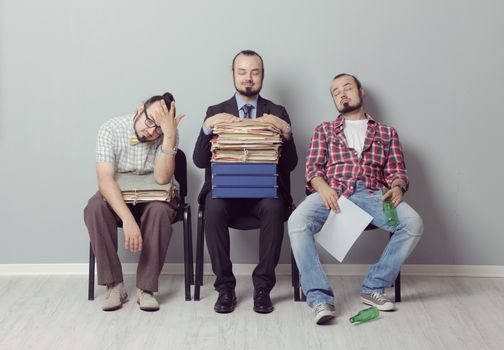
{"points": [[144, 139], [348, 108], [141, 139], [249, 91]]}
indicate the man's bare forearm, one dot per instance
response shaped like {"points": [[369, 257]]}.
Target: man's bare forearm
{"points": [[111, 192], [318, 183], [164, 165]]}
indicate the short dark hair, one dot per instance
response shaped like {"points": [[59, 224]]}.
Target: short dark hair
{"points": [[166, 96], [248, 53], [350, 75]]}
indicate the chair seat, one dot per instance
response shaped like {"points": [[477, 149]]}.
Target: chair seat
{"points": [[244, 223], [249, 222]]}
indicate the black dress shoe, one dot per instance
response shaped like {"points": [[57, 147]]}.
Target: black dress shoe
{"points": [[226, 301], [262, 301]]}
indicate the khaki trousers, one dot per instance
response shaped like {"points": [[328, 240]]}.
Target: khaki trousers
{"points": [[154, 219]]}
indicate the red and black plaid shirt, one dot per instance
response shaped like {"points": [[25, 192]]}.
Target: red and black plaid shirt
{"points": [[381, 162]]}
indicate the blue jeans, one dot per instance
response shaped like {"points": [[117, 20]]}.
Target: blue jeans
{"points": [[308, 219]]}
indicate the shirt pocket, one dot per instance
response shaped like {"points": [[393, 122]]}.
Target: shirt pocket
{"points": [[149, 158], [380, 148], [339, 153]]}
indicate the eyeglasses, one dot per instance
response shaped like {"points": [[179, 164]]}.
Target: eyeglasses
{"points": [[150, 123]]}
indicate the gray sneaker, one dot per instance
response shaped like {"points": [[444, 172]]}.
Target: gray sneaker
{"points": [[115, 297], [146, 300], [380, 301], [323, 312]]}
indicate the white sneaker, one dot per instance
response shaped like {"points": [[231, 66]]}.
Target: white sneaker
{"points": [[380, 301], [146, 300], [115, 297], [323, 312]]}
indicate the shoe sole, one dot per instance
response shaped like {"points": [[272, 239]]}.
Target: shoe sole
{"points": [[379, 307], [114, 308], [225, 311], [324, 319], [147, 308], [264, 311]]}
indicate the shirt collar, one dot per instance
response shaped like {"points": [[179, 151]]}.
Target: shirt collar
{"points": [[240, 102], [339, 123], [132, 138]]}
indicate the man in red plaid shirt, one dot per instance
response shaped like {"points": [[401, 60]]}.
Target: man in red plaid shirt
{"points": [[356, 157]]}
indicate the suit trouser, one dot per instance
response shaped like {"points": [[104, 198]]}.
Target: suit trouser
{"points": [[219, 212], [154, 220]]}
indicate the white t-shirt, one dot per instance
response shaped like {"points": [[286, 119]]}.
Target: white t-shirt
{"points": [[355, 133]]}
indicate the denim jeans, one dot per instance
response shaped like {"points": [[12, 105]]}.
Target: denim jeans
{"points": [[308, 219]]}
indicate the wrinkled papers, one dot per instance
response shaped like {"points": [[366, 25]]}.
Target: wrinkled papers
{"points": [[246, 141]]}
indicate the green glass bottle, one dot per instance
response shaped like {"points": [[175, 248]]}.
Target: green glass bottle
{"points": [[390, 211], [365, 315]]}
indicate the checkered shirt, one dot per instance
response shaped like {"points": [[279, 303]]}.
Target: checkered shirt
{"points": [[112, 146], [381, 162]]}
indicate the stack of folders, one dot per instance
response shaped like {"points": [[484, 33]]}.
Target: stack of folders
{"points": [[246, 141], [244, 160], [140, 188]]}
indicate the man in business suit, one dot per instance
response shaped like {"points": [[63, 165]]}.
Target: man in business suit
{"points": [[248, 74]]}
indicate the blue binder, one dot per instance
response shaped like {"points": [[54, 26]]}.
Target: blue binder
{"points": [[244, 192], [244, 169], [244, 181]]}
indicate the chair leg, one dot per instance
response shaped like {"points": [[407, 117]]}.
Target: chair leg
{"points": [[397, 283], [190, 242], [91, 273], [296, 283], [397, 287], [187, 270], [199, 255], [295, 277]]}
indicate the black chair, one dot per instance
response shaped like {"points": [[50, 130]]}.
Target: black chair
{"points": [[298, 292], [244, 223], [183, 214]]}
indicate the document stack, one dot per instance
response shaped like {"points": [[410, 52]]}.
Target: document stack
{"points": [[244, 160], [246, 141]]}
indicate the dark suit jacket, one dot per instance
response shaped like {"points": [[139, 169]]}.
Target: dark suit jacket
{"points": [[288, 159]]}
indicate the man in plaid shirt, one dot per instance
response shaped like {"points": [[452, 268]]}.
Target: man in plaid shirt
{"points": [[143, 143], [356, 157]]}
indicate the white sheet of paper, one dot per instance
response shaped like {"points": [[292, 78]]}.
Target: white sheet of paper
{"points": [[342, 229]]}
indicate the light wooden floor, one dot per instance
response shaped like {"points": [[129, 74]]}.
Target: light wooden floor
{"points": [[52, 312]]}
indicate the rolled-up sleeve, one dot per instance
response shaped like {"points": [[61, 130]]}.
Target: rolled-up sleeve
{"points": [[104, 145], [395, 167], [317, 156]]}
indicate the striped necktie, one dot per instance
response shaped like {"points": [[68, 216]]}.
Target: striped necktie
{"points": [[247, 111]]}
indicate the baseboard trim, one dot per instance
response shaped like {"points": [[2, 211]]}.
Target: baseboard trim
{"points": [[246, 269]]}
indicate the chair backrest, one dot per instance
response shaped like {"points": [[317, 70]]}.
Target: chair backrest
{"points": [[181, 174]]}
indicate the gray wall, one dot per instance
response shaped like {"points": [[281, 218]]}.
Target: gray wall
{"points": [[432, 69]]}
